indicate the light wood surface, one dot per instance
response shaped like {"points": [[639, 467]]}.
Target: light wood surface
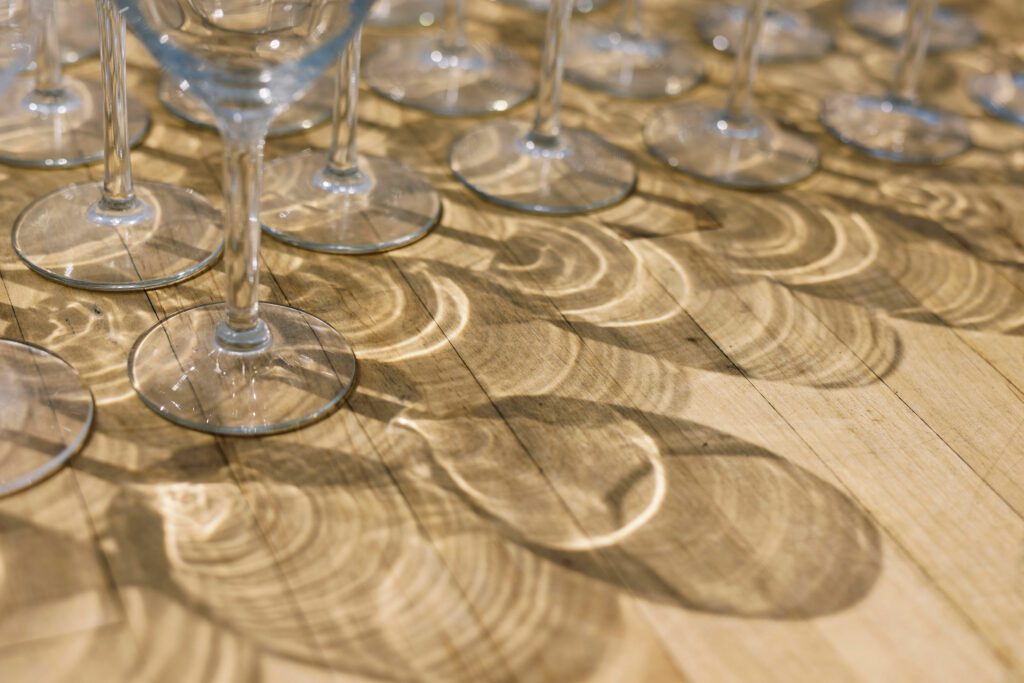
{"points": [[701, 436]]}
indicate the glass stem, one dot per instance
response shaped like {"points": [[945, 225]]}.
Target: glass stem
{"points": [[243, 167], [49, 73], [913, 48], [342, 158], [630, 21], [453, 30], [118, 189], [741, 90], [546, 124]]}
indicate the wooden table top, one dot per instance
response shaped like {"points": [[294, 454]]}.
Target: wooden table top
{"points": [[704, 435]]}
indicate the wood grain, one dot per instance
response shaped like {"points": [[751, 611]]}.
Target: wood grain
{"points": [[700, 436]]}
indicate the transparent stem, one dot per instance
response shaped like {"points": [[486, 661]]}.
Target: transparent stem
{"points": [[243, 167], [913, 48], [546, 124], [118, 189], [630, 20], [453, 30], [342, 158], [741, 90], [49, 73]]}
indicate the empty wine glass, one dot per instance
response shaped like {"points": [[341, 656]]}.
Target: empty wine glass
{"points": [[544, 167], [118, 234], [896, 126], [243, 367], [1000, 93], [885, 21], [448, 74], [627, 60], [45, 409], [788, 35], [396, 13], [732, 146], [51, 120], [344, 202]]}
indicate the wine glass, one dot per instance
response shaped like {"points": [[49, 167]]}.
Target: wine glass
{"points": [[544, 167], [896, 126], [45, 409], [1001, 94], [788, 35], [627, 60], [50, 120], [243, 367], [732, 145], [396, 13], [343, 202], [448, 74], [885, 20], [118, 234]]}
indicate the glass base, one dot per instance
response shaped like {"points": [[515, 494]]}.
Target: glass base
{"points": [[59, 133], [753, 153], [578, 172], [477, 79], [886, 22], [45, 414], [384, 206], [1001, 94], [181, 372], [310, 111], [398, 13], [171, 234], [788, 35], [627, 65], [893, 129], [581, 7]]}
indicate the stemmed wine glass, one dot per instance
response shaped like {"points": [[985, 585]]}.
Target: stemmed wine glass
{"points": [[885, 20], [243, 367], [1000, 93], [45, 409], [896, 126], [732, 146], [395, 13], [344, 202], [50, 120], [118, 234], [629, 61], [788, 35], [544, 167], [449, 74]]}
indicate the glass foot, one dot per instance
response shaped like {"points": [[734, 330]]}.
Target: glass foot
{"points": [[581, 7], [602, 58], [893, 129], [54, 133], [886, 22], [182, 372], [310, 111], [478, 79], [577, 172], [1001, 94], [396, 13], [751, 153], [787, 36], [45, 417], [171, 234], [385, 206]]}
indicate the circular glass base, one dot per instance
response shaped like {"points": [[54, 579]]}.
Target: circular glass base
{"points": [[581, 7], [310, 111], [384, 206], [886, 22], [628, 65], [1001, 94], [477, 79], [893, 129], [52, 133], [397, 13], [182, 372], [45, 414], [170, 234], [577, 172], [752, 153], [787, 36]]}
